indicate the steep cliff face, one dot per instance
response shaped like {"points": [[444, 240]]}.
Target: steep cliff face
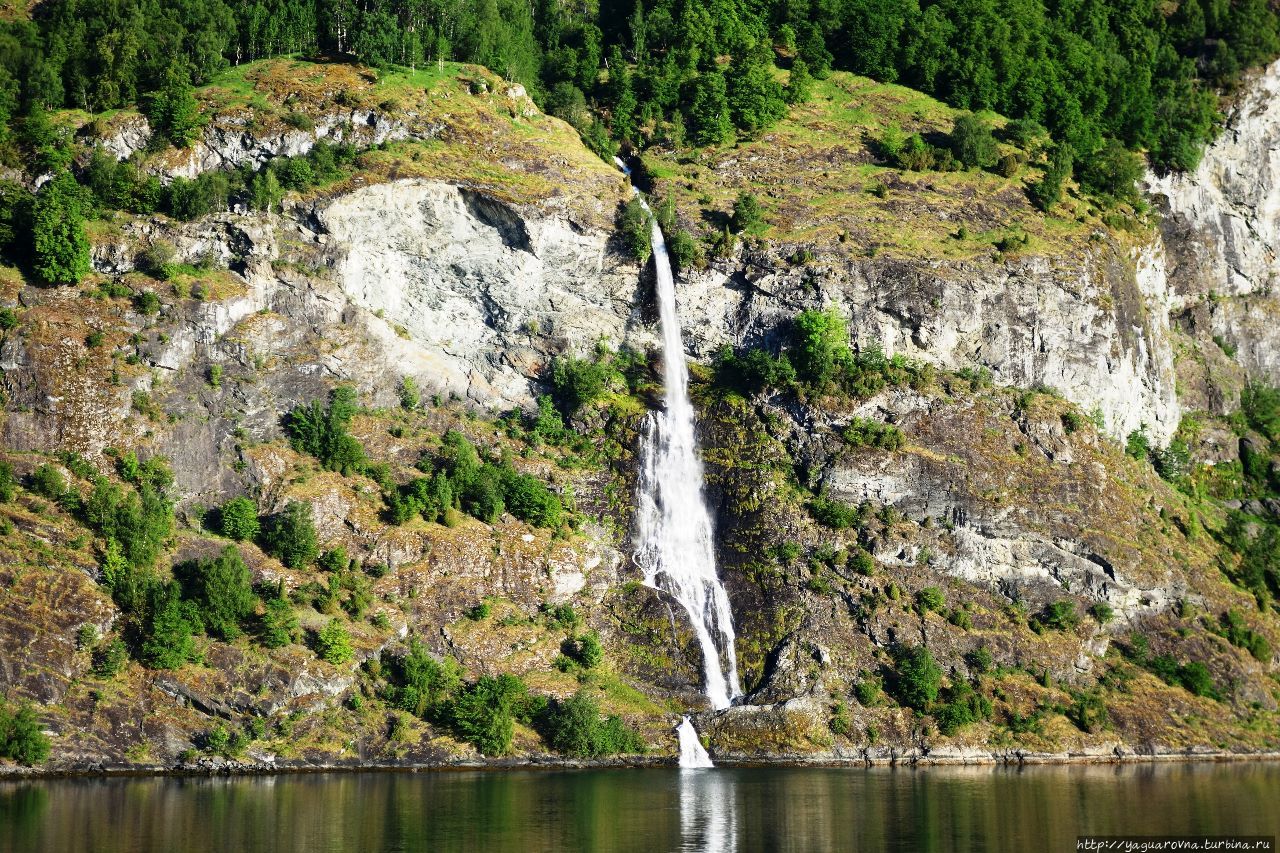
{"points": [[1221, 232], [1092, 323]]}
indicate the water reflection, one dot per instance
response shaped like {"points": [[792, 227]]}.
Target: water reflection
{"points": [[724, 809], [708, 811]]}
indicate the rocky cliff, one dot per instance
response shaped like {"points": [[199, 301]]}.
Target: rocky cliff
{"points": [[470, 246]]}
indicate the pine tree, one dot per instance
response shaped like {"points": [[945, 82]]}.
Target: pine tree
{"points": [[61, 245], [174, 113], [708, 114]]}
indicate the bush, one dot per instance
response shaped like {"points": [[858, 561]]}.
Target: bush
{"points": [[409, 396], [972, 142], [484, 713], [634, 229], [8, 482], [222, 591], [753, 371], [1101, 612], [833, 514], [574, 727], [586, 650], [48, 482], [748, 217], [424, 686], [528, 499], [167, 629], [980, 659], [1240, 635], [140, 521], [238, 519], [577, 383], [1112, 173], [1058, 616], [820, 347], [863, 432], [322, 432], [916, 677], [960, 705], [22, 738], [291, 536], [109, 658], [333, 643], [930, 598], [279, 626]]}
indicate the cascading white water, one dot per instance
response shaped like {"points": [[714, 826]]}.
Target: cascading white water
{"points": [[676, 550], [692, 753]]}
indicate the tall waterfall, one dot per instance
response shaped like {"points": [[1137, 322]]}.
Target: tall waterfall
{"points": [[675, 545]]}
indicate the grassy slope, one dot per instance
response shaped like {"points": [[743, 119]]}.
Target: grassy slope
{"points": [[815, 173]]}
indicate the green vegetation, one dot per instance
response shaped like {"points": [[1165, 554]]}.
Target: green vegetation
{"points": [[1057, 616], [22, 737], [862, 432], [634, 230], [574, 727], [322, 432], [59, 242], [483, 488], [290, 536], [484, 713], [333, 643], [238, 519], [916, 677], [221, 591]]}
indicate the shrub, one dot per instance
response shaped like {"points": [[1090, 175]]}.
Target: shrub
{"points": [[972, 142], [279, 626], [238, 519], [528, 499], [635, 230], [409, 396], [930, 598], [484, 713], [8, 482], [820, 347], [1058, 616], [222, 591], [109, 658], [577, 383], [322, 432], [840, 723], [980, 659], [48, 482], [748, 217], [960, 705], [916, 677], [1101, 612], [333, 643], [832, 513], [167, 629], [22, 738], [291, 536], [424, 686], [753, 371], [586, 650], [574, 727], [139, 521], [863, 432]]}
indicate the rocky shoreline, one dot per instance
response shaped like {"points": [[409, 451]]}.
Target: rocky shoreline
{"points": [[872, 757]]}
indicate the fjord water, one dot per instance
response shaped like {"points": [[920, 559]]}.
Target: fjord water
{"points": [[675, 547], [728, 809]]}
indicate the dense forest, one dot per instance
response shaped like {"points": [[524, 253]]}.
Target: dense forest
{"points": [[638, 71]]}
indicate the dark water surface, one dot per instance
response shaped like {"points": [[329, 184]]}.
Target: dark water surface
{"points": [[802, 809]]}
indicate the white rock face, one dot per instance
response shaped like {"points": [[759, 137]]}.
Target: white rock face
{"points": [[1232, 201], [1095, 327], [479, 289], [1221, 231]]}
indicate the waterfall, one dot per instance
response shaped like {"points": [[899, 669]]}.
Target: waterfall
{"points": [[676, 550], [675, 546], [692, 753]]}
